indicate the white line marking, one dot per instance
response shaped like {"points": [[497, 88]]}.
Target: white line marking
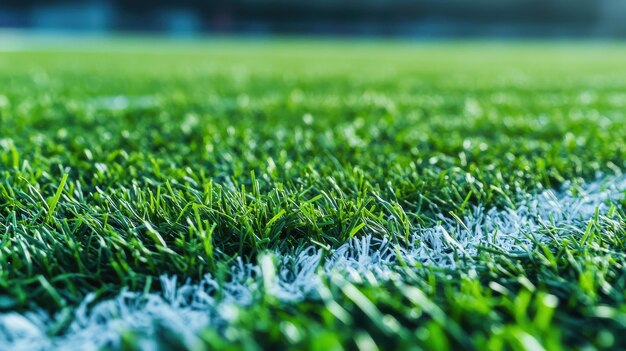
{"points": [[188, 308]]}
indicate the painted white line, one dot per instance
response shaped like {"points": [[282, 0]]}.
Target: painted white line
{"points": [[187, 309]]}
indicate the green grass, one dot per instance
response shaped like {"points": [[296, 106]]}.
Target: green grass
{"points": [[118, 166]]}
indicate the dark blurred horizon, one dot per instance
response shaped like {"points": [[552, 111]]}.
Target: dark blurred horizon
{"points": [[391, 18]]}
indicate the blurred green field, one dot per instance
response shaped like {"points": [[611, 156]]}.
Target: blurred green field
{"points": [[121, 160]]}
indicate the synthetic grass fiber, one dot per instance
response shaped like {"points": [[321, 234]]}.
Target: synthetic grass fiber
{"points": [[435, 195]]}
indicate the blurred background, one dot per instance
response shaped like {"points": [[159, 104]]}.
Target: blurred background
{"points": [[369, 18]]}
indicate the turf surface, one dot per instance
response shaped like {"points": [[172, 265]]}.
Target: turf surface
{"points": [[124, 160]]}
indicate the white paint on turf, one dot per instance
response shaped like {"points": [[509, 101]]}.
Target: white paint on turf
{"points": [[188, 308]]}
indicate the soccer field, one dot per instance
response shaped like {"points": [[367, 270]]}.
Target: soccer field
{"points": [[310, 194]]}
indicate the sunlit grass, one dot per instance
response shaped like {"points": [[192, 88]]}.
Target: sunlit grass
{"points": [[119, 165]]}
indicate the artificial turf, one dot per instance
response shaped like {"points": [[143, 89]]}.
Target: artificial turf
{"points": [[122, 160]]}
